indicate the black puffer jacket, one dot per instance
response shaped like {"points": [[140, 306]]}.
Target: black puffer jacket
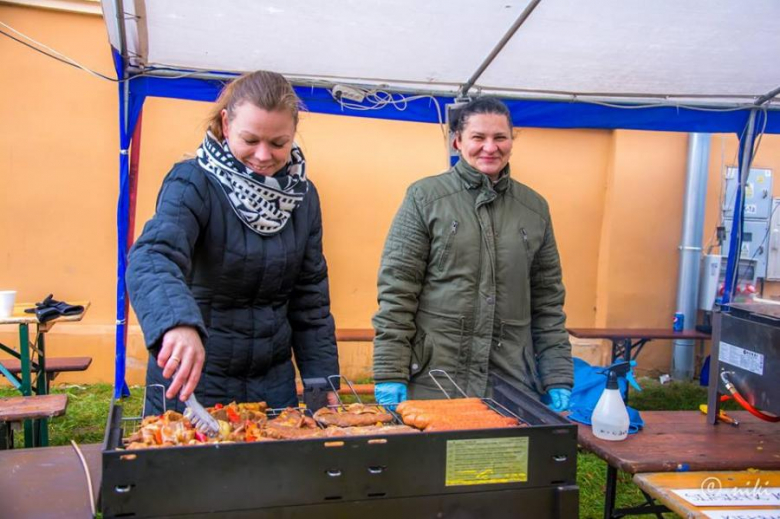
{"points": [[251, 297]]}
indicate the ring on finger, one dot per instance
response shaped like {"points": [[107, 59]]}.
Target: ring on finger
{"points": [[177, 359]]}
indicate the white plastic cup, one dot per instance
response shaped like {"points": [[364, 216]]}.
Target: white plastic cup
{"points": [[7, 298]]}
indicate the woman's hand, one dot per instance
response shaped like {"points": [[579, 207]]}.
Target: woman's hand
{"points": [[182, 349]]}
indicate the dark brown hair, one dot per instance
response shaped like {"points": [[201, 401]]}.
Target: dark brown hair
{"points": [[267, 90], [480, 105]]}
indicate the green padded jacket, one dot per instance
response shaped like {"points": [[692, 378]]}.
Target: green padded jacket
{"points": [[470, 283]]}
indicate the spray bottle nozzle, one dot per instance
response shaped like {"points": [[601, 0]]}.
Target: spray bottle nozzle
{"points": [[621, 369]]}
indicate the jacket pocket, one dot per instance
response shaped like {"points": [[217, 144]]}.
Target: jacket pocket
{"points": [[514, 352], [421, 354], [448, 244], [444, 345]]}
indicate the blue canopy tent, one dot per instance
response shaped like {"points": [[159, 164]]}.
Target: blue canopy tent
{"points": [[709, 66]]}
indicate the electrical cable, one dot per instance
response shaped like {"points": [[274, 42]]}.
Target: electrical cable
{"points": [[62, 58], [754, 151], [90, 491], [51, 52], [766, 235], [378, 99], [660, 105]]}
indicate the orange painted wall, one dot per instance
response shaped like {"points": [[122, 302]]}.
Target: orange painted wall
{"points": [[616, 197]]}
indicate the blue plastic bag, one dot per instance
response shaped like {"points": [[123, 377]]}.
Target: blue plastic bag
{"points": [[589, 383]]}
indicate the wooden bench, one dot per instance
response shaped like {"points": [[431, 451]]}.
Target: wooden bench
{"points": [[54, 365], [16, 409]]}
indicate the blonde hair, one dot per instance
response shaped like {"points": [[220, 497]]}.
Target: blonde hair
{"points": [[267, 90]]}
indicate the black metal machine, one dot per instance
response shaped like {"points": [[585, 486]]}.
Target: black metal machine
{"points": [[510, 472], [745, 357]]}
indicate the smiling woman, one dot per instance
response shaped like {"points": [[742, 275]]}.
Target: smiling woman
{"points": [[262, 140], [228, 277], [470, 280], [483, 136]]}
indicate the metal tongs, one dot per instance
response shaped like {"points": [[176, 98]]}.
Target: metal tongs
{"points": [[200, 418]]}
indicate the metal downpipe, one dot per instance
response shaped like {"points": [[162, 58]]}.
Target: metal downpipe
{"points": [[690, 250]]}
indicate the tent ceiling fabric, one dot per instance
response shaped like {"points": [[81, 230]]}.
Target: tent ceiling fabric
{"points": [[718, 51], [639, 47]]}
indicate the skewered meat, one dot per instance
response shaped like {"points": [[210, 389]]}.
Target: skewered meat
{"points": [[237, 423]]}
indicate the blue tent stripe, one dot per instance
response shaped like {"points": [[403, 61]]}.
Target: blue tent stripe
{"points": [[538, 114], [546, 114]]}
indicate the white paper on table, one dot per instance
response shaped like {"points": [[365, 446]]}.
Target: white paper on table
{"points": [[747, 496], [742, 514]]}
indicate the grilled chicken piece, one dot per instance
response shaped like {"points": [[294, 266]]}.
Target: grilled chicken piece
{"points": [[286, 432], [290, 424]]}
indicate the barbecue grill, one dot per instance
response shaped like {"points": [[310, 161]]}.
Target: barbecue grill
{"points": [[525, 471]]}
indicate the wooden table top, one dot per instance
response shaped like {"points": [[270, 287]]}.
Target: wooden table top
{"points": [[355, 334], [684, 441], [635, 333], [660, 486], [19, 317], [47, 482]]}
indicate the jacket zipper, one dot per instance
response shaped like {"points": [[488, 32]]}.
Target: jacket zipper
{"points": [[500, 343], [525, 242], [448, 243], [462, 361]]}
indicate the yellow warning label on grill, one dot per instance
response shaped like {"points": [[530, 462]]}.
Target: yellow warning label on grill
{"points": [[487, 461]]}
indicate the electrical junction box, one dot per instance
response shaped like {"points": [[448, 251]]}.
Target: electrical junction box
{"points": [[773, 257], [758, 193], [755, 243]]}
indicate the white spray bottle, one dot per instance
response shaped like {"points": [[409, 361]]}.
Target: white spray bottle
{"points": [[610, 418]]}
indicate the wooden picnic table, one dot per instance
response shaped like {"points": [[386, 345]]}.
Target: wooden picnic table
{"points": [[661, 486], [29, 361], [627, 343], [47, 483], [683, 441]]}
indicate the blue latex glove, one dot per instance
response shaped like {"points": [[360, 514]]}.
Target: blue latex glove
{"points": [[559, 399], [390, 393]]}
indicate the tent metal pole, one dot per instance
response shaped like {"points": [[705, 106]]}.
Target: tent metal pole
{"points": [[501, 44], [743, 102], [735, 244], [768, 96], [119, 6]]}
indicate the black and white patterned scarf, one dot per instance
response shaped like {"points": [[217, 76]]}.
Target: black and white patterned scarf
{"points": [[263, 203]]}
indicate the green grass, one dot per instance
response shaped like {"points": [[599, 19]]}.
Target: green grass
{"points": [[88, 406], [86, 416]]}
